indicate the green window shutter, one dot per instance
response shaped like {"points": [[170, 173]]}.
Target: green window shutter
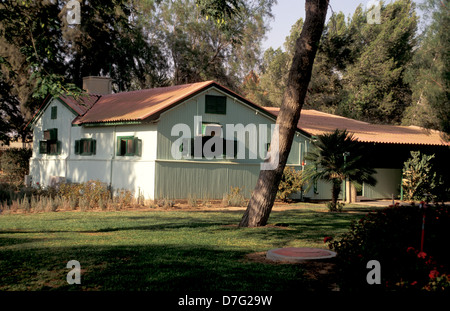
{"points": [[215, 104], [93, 146], [118, 151], [58, 147], [137, 147], [53, 134], [43, 147], [77, 146], [54, 113]]}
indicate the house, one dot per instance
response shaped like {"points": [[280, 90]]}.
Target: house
{"points": [[390, 146], [126, 140], [196, 139]]}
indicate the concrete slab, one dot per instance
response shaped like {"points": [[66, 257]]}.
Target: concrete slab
{"points": [[298, 254]]}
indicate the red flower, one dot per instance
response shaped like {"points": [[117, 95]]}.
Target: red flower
{"points": [[413, 283], [422, 255], [410, 250], [326, 239], [433, 274]]}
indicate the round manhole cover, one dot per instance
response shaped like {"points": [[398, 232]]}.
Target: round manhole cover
{"points": [[298, 254]]}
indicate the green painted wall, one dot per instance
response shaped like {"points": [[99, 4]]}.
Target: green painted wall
{"points": [[178, 179], [388, 183], [207, 180]]}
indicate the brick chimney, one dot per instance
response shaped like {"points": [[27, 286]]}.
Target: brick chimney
{"points": [[97, 85]]}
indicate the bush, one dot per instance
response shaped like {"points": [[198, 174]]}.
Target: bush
{"points": [[90, 194], [335, 207], [234, 197], [421, 180], [15, 164], [393, 237], [291, 182]]}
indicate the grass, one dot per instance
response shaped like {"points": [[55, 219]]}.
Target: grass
{"points": [[160, 250]]}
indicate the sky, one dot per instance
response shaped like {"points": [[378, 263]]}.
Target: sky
{"points": [[287, 12]]}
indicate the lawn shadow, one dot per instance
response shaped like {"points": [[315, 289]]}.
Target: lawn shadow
{"points": [[149, 268]]}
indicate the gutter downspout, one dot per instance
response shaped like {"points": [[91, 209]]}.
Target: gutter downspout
{"points": [[68, 152], [112, 158]]}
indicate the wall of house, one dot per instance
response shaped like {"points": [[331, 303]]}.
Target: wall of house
{"points": [[388, 184], [44, 166], [203, 178], [135, 173]]}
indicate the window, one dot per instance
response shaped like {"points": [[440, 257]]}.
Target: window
{"points": [[50, 145], [229, 147], [129, 146], [54, 113], [85, 146], [215, 104], [51, 134], [212, 128]]}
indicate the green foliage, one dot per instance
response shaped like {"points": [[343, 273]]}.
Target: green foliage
{"points": [[392, 236], [428, 75], [420, 180], [335, 207], [359, 69], [15, 164], [374, 84], [205, 43], [291, 182]]}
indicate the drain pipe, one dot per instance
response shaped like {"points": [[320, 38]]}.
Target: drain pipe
{"points": [[112, 158]]}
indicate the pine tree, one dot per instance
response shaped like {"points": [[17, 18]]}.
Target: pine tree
{"points": [[429, 73]]}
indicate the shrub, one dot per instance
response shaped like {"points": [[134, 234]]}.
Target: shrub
{"points": [[166, 203], [393, 237], [291, 182], [335, 207], [192, 201], [234, 197], [421, 181], [15, 164], [86, 195]]}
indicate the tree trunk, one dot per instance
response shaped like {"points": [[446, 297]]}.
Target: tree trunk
{"points": [[263, 197], [335, 191]]}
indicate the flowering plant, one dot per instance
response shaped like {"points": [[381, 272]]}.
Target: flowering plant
{"points": [[392, 236]]}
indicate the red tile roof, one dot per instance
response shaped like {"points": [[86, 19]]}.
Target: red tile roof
{"points": [[81, 105], [315, 123], [145, 105], [139, 105]]}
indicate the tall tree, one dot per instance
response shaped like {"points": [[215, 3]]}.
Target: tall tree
{"points": [[41, 54], [110, 40], [429, 73], [375, 86], [263, 197], [200, 46], [269, 88]]}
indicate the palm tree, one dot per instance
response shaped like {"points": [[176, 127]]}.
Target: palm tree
{"points": [[336, 157]]}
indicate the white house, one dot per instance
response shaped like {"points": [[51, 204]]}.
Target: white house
{"points": [[146, 140], [130, 140]]}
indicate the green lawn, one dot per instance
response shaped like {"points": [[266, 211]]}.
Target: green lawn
{"points": [[159, 250]]}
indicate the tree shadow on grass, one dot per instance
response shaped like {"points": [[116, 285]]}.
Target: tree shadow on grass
{"points": [[148, 268]]}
